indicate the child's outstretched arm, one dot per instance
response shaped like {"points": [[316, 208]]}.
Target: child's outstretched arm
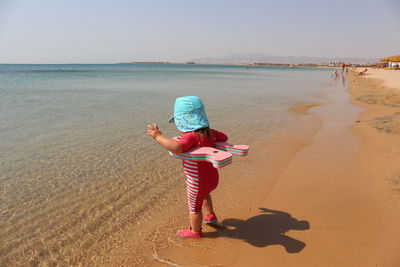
{"points": [[166, 142]]}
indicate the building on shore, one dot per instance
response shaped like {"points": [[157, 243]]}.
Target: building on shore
{"points": [[392, 62]]}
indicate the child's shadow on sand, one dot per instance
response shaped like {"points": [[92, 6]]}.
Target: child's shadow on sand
{"points": [[263, 230]]}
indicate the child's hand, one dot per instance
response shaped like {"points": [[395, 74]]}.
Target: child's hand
{"points": [[166, 142], [153, 131]]}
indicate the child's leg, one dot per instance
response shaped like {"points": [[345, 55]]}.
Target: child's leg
{"points": [[195, 221], [209, 217], [208, 205]]}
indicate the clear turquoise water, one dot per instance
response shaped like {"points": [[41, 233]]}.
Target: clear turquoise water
{"points": [[74, 158]]}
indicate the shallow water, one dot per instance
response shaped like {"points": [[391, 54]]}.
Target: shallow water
{"points": [[75, 163]]}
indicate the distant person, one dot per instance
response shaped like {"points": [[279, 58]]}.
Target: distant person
{"points": [[336, 74], [347, 70], [201, 177], [363, 72]]}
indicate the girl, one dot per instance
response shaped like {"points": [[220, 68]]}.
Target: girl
{"points": [[201, 177]]}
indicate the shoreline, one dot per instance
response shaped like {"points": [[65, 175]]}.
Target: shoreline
{"points": [[249, 65], [333, 204]]}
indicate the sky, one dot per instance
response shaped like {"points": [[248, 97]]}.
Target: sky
{"points": [[99, 31]]}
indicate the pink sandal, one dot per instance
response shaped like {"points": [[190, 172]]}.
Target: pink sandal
{"points": [[187, 233], [210, 218]]}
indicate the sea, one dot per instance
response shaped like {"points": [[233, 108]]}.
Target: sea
{"points": [[76, 165]]}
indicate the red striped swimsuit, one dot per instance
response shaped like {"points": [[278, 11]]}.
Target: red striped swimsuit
{"points": [[201, 176]]}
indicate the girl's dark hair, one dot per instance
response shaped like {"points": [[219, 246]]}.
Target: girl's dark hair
{"points": [[204, 133]]}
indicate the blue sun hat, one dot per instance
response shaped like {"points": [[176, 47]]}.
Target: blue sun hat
{"points": [[189, 114]]}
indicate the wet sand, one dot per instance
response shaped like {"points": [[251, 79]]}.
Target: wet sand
{"points": [[302, 108], [241, 186], [335, 204]]}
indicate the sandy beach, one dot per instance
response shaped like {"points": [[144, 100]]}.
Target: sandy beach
{"points": [[378, 129], [389, 78], [336, 202], [94, 96]]}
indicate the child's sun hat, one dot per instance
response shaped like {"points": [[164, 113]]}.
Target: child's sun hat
{"points": [[189, 114]]}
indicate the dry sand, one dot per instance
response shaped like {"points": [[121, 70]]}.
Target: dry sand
{"points": [[390, 78], [336, 203], [378, 128]]}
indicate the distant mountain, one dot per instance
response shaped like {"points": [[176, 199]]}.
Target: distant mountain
{"points": [[262, 58]]}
